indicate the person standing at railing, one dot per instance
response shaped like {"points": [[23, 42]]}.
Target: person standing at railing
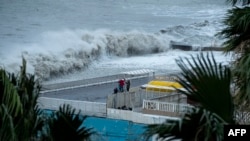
{"points": [[128, 85], [115, 91], [121, 84]]}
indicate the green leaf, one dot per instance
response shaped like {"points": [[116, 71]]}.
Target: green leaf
{"points": [[208, 83], [66, 124]]}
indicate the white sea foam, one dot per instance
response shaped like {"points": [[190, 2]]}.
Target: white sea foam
{"points": [[63, 52], [59, 38], [161, 63]]}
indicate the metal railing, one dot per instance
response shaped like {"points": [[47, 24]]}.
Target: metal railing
{"points": [[165, 106], [87, 83]]}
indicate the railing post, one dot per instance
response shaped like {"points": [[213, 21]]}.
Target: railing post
{"points": [[143, 105], [157, 106], [167, 107]]}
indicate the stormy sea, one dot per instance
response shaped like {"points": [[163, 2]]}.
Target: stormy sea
{"points": [[66, 40]]}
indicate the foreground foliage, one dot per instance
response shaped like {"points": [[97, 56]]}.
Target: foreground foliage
{"points": [[22, 120], [66, 124], [19, 112], [237, 34], [208, 85]]}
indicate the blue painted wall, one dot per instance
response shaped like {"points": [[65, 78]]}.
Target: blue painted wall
{"points": [[113, 130]]}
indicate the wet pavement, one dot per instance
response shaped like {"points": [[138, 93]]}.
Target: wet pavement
{"points": [[94, 90]]}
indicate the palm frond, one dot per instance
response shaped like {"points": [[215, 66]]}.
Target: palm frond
{"points": [[198, 124], [242, 81], [7, 130], [208, 83], [237, 28], [9, 96], [66, 124], [243, 2], [19, 94]]}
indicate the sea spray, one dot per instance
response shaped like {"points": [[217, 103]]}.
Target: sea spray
{"points": [[135, 43], [74, 50], [62, 52]]}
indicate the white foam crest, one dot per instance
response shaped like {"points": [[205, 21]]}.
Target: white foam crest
{"points": [[160, 63], [136, 43], [201, 34], [63, 52]]}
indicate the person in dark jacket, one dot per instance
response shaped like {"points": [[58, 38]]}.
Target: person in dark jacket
{"points": [[128, 85], [115, 91]]}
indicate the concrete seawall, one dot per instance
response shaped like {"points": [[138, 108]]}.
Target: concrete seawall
{"points": [[187, 47]]}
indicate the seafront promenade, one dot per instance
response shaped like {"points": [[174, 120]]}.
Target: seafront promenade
{"points": [[92, 97], [83, 82], [97, 89], [93, 90]]}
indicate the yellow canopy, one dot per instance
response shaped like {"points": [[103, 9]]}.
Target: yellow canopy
{"points": [[162, 86]]}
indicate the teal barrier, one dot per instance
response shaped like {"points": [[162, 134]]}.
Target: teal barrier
{"points": [[113, 129]]}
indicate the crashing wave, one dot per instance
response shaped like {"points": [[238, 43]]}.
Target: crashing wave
{"points": [[60, 53], [90, 46]]}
